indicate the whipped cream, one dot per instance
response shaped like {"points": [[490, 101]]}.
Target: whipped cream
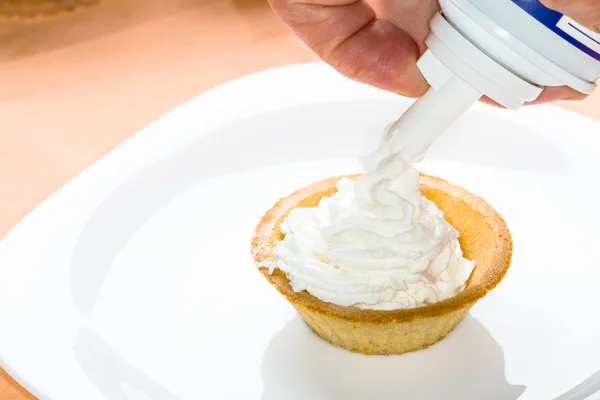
{"points": [[375, 244]]}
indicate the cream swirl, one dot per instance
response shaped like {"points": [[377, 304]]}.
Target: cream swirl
{"points": [[375, 244]]}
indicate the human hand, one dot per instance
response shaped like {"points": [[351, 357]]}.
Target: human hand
{"points": [[586, 12], [376, 42], [377, 49]]}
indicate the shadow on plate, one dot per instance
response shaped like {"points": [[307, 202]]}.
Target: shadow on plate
{"points": [[114, 377], [468, 364], [584, 390]]}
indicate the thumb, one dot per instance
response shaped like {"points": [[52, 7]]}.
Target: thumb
{"points": [[586, 12], [347, 35]]}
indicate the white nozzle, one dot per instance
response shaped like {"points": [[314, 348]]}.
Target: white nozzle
{"points": [[459, 74], [430, 116]]}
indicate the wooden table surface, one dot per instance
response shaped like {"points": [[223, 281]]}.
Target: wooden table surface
{"points": [[76, 85]]}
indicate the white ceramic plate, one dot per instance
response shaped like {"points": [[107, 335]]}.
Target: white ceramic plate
{"points": [[134, 280]]}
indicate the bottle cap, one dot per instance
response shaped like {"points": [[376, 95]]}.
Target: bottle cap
{"points": [[450, 53]]}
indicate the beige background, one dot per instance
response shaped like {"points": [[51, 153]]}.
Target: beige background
{"points": [[74, 86]]}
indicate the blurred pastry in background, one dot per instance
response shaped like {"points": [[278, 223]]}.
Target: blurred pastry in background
{"points": [[36, 8]]}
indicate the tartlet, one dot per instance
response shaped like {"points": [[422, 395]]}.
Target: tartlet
{"points": [[484, 238]]}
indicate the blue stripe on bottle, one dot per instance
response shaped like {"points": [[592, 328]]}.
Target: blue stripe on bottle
{"points": [[550, 19]]}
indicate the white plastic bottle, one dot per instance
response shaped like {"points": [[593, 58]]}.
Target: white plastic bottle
{"points": [[508, 50]]}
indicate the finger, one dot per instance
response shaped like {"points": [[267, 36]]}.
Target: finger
{"points": [[556, 93], [586, 12], [412, 16], [347, 35], [549, 94], [490, 102]]}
